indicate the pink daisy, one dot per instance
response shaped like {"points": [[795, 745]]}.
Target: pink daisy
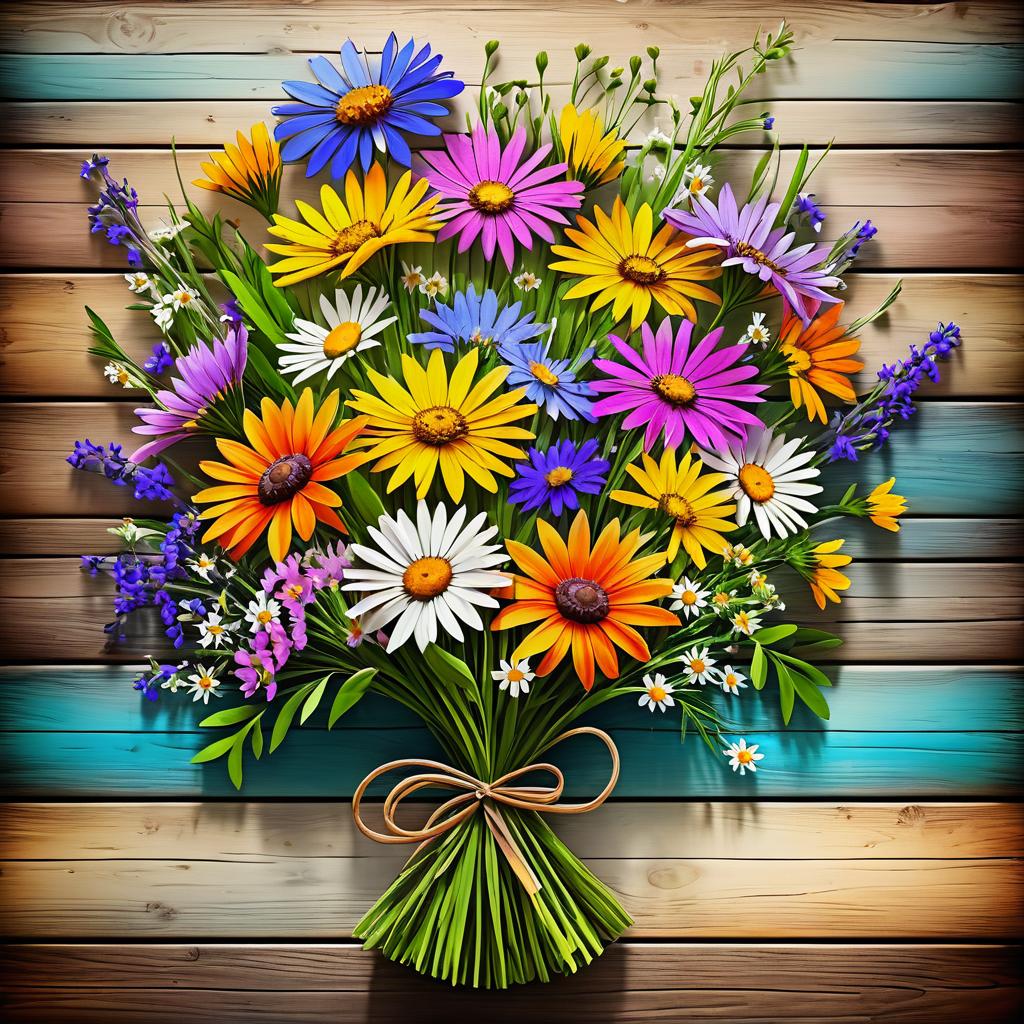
{"points": [[490, 193], [674, 390]]}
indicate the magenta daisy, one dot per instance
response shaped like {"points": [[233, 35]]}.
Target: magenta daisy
{"points": [[495, 194], [678, 391], [750, 241]]}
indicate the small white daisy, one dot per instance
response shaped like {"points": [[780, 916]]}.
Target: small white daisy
{"points": [[412, 277], [262, 612], [769, 477], [163, 312], [689, 598], [758, 580], [527, 281], [168, 232], [699, 667], [435, 285], [696, 179], [352, 326], [742, 758], [514, 676], [658, 693], [214, 630], [745, 623], [203, 564], [732, 681], [427, 574], [182, 298], [756, 332], [204, 682], [138, 282], [117, 374], [722, 600]]}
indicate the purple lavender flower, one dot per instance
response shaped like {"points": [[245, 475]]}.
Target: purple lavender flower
{"points": [[805, 206], [153, 484], [769, 123], [160, 360], [750, 241], [327, 568], [116, 210], [207, 374], [293, 583], [232, 313], [558, 476], [258, 667]]}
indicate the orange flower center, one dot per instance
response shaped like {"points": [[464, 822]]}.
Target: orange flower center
{"points": [[558, 476], [730, 681], [757, 483], [676, 390], [747, 250], [205, 683], [364, 105], [342, 339], [799, 359], [581, 600], [491, 197], [641, 270], [657, 693], [515, 676], [349, 239], [283, 478], [427, 577], [680, 510], [689, 597], [439, 425], [697, 666], [544, 374], [744, 756]]}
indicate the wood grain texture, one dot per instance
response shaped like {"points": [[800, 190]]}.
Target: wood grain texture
{"points": [[637, 983]]}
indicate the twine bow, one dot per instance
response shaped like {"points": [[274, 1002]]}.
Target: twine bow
{"points": [[477, 794]]}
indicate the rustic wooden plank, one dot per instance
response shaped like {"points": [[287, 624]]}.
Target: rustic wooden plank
{"points": [[46, 335], [248, 831]]}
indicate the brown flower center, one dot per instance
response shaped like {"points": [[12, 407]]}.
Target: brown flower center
{"points": [[364, 105], [491, 197], [427, 577], [439, 425], [678, 508], [747, 250], [342, 339], [581, 600], [349, 239], [641, 270], [676, 390], [757, 483], [283, 478]]}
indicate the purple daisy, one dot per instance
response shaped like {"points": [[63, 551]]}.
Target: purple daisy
{"points": [[676, 390], [558, 476], [750, 241], [494, 194], [206, 373]]}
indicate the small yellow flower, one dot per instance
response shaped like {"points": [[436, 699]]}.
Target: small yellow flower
{"points": [[884, 508], [825, 579], [249, 172], [592, 155]]}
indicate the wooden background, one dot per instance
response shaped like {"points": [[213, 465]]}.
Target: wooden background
{"points": [[870, 872]]}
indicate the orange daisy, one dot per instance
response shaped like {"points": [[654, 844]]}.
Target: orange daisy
{"points": [[825, 579], [819, 358], [585, 598], [278, 481]]}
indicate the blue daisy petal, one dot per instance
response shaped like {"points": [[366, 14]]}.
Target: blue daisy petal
{"points": [[473, 319]]}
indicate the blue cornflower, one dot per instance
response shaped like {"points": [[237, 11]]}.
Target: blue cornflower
{"points": [[153, 484], [160, 360], [550, 383], [804, 205], [769, 123], [558, 476], [842, 448], [371, 103], [232, 313], [474, 319], [97, 163]]}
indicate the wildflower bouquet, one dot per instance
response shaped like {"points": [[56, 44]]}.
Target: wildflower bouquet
{"points": [[501, 424]]}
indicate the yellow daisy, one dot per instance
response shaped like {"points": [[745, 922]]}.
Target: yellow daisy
{"points": [[249, 172], [884, 508], [348, 233], [434, 421], [622, 261], [685, 495], [592, 155], [825, 579]]}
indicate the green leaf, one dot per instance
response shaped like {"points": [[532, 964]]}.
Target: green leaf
{"points": [[257, 739], [313, 700], [786, 690], [286, 714], [448, 668], [350, 693], [772, 634], [811, 671], [810, 695], [235, 759], [363, 500], [758, 667], [253, 307], [216, 749], [229, 716]]}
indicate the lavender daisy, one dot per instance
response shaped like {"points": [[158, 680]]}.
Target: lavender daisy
{"points": [[558, 476], [474, 319], [550, 383], [749, 241]]}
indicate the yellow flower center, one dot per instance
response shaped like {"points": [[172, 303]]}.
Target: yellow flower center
{"points": [[439, 425], [689, 597], [427, 577], [722, 598], [215, 630], [491, 197], [342, 339], [678, 508], [697, 666], [696, 185], [799, 359], [205, 683], [515, 676], [263, 617], [744, 756], [747, 250], [676, 390], [122, 376], [757, 483], [730, 681], [349, 239], [364, 105], [558, 476], [657, 693], [543, 374], [641, 270], [294, 591]]}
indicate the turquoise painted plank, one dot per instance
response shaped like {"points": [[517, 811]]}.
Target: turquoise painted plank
{"points": [[865, 698], [654, 764], [856, 69]]}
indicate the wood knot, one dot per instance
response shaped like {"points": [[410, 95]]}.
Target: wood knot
{"points": [[131, 31], [911, 815]]}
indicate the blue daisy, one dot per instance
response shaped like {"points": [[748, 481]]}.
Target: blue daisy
{"points": [[371, 102], [558, 476], [474, 319], [550, 383]]}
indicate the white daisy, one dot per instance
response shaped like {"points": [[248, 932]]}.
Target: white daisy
{"points": [[182, 298], [262, 612], [696, 179], [514, 676], [722, 600], [203, 684], [732, 681], [138, 282], [756, 332], [742, 758], [769, 477], [412, 277], [699, 667], [352, 326], [425, 574], [745, 623], [214, 630], [435, 285], [203, 564], [168, 232], [117, 374], [163, 312], [689, 598], [527, 281], [658, 693]]}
